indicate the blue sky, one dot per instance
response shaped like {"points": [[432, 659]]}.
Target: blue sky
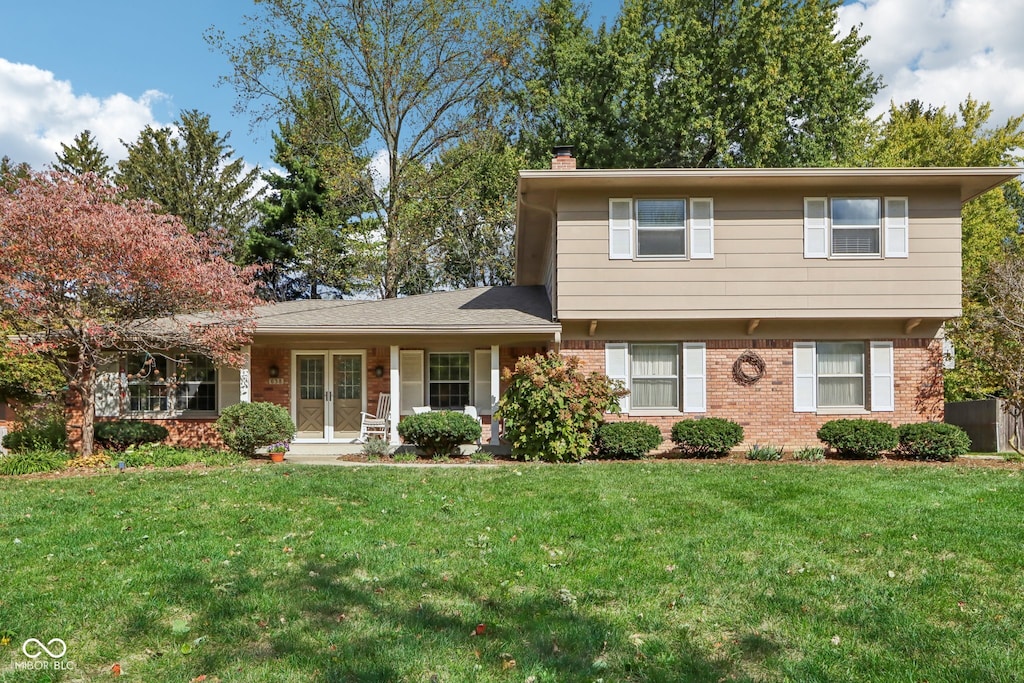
{"points": [[66, 65]]}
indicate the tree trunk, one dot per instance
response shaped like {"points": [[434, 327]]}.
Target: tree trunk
{"points": [[85, 393]]}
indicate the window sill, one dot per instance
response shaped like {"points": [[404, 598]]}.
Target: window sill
{"points": [[168, 415], [656, 412], [842, 411]]}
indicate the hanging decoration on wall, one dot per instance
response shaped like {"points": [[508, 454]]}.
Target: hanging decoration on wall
{"points": [[748, 368]]}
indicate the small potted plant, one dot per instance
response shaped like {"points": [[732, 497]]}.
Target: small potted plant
{"points": [[277, 450]]}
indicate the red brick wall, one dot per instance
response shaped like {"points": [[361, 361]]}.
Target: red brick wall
{"points": [[765, 409]]}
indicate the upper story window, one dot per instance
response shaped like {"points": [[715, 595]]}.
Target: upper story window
{"points": [[661, 228], [855, 227]]}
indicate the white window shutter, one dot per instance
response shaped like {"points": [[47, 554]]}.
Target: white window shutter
{"points": [[107, 399], [410, 369], [229, 387], [815, 227], [482, 398], [694, 374], [616, 366], [805, 383], [883, 395], [702, 229], [897, 223], [620, 228]]}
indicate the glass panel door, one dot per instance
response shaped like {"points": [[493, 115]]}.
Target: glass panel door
{"points": [[309, 401], [347, 398]]}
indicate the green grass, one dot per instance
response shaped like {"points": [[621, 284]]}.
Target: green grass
{"points": [[621, 572]]}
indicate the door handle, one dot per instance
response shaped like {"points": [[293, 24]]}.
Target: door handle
{"points": [[328, 397]]}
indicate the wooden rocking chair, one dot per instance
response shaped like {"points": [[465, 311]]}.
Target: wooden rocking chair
{"points": [[379, 423]]}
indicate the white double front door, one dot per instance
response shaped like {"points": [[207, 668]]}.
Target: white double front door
{"points": [[329, 393]]}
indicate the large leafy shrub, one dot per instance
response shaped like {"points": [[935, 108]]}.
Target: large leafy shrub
{"points": [[859, 438], [33, 461], [552, 408], [119, 434], [244, 427], [933, 441], [706, 437], [627, 439], [48, 434], [439, 432]]}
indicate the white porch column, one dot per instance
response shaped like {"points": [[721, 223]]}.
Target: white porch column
{"points": [[396, 397], [245, 377], [495, 391]]}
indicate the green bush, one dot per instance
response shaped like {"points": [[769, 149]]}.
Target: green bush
{"points": [[627, 439], [33, 461], [706, 437], [160, 455], [552, 409], [764, 453], [118, 435], [244, 427], [439, 432], [859, 438], [809, 454], [933, 441], [49, 434]]}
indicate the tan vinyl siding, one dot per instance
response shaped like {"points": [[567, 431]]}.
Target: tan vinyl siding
{"points": [[759, 268]]}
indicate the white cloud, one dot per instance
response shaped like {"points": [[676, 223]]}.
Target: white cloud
{"points": [[40, 112], [941, 51]]}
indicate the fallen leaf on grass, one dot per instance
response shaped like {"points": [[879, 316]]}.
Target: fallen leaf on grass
{"points": [[115, 670]]}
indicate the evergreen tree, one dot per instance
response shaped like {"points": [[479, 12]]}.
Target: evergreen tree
{"points": [[84, 156], [11, 173], [189, 171]]}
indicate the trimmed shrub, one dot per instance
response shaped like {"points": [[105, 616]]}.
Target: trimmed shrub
{"points": [[439, 432], [33, 461], [809, 454], [552, 409], [706, 437], [764, 453], [49, 434], [859, 438], [933, 441], [627, 439], [118, 435], [244, 427]]}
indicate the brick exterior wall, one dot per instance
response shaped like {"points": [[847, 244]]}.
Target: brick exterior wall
{"points": [[765, 409]]}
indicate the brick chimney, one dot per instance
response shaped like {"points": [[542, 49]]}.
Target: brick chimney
{"points": [[563, 160]]}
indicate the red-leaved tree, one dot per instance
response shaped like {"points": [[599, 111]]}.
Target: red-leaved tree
{"points": [[85, 274]]}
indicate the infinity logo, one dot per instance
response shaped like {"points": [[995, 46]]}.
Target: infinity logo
{"points": [[61, 645]]}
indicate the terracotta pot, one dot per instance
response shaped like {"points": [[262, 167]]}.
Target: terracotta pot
{"points": [[277, 457]]}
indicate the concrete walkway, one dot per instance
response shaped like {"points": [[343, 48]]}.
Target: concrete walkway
{"points": [[332, 460]]}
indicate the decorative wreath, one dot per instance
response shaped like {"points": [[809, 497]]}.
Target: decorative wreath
{"points": [[748, 368]]}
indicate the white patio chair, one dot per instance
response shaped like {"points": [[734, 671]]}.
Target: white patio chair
{"points": [[379, 423], [471, 411], [419, 410]]}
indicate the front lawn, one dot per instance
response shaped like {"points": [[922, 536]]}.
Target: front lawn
{"points": [[657, 571]]}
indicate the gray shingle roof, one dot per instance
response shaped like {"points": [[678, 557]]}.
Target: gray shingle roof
{"points": [[498, 309]]}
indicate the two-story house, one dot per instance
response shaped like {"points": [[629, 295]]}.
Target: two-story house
{"points": [[779, 298]]}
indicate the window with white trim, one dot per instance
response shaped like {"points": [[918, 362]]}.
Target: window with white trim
{"points": [[659, 376], [449, 381], [840, 375], [661, 228], [855, 227], [159, 384]]}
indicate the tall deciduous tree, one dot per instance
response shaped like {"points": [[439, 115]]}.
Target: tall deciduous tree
{"points": [[420, 74], [698, 83], [83, 156], [913, 134], [995, 330], [189, 170], [85, 272]]}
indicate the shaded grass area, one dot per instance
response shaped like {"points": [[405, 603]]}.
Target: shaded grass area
{"points": [[621, 572]]}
